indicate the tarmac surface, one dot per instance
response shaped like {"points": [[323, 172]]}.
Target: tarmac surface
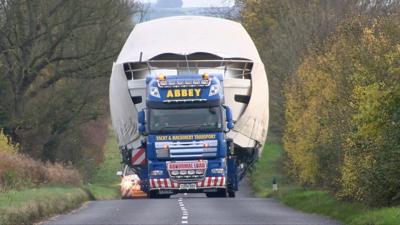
{"points": [[245, 209]]}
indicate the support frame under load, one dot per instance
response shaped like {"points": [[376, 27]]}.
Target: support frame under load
{"points": [[230, 68], [189, 43], [237, 85]]}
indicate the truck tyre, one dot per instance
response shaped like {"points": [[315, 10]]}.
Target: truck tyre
{"points": [[153, 194], [231, 194], [222, 193]]}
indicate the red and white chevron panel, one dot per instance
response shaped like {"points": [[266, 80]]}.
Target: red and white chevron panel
{"points": [[138, 156], [163, 183], [208, 182], [212, 182]]}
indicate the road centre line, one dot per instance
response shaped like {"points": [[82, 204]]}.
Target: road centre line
{"points": [[185, 214]]}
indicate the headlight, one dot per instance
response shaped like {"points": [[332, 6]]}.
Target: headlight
{"points": [[218, 170], [175, 172], [154, 92], [156, 173], [183, 172], [214, 89], [191, 172], [199, 172]]}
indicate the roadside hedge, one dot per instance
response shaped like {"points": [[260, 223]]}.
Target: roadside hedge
{"points": [[343, 113]]}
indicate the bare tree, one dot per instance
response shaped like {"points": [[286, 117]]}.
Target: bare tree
{"points": [[55, 59]]}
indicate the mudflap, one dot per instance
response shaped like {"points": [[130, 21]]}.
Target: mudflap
{"points": [[143, 174], [233, 180]]}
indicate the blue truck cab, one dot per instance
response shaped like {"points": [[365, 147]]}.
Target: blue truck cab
{"points": [[185, 125]]}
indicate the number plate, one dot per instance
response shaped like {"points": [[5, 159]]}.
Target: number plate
{"points": [[187, 186], [187, 165]]}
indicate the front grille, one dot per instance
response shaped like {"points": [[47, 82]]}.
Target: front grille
{"points": [[190, 149], [187, 178]]}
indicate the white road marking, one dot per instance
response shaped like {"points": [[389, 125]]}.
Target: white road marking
{"points": [[185, 214]]}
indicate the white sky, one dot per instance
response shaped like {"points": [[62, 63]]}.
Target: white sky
{"points": [[201, 3]]}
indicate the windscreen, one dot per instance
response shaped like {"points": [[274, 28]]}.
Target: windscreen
{"points": [[185, 120]]}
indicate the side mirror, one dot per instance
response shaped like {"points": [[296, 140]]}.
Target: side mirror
{"points": [[119, 173], [229, 118], [142, 129], [142, 122], [141, 117]]}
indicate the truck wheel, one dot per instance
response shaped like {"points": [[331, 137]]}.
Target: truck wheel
{"points": [[222, 193], [153, 194], [231, 194]]}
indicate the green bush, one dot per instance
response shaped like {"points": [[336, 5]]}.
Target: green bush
{"points": [[342, 112]]}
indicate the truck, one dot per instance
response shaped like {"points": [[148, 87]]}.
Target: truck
{"points": [[189, 105], [186, 146]]}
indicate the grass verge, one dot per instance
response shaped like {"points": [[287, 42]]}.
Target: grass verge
{"points": [[104, 185], [30, 205], [27, 206], [313, 201], [267, 168]]}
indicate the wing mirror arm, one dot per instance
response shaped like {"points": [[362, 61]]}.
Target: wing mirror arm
{"points": [[142, 122], [229, 118]]}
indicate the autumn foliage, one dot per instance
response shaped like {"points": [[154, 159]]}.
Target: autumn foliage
{"points": [[333, 69], [19, 171], [343, 113]]}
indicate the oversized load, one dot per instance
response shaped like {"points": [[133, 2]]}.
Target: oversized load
{"points": [[195, 44]]}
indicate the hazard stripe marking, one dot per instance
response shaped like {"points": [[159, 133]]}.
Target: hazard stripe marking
{"points": [[166, 183], [138, 156], [162, 183], [216, 181], [159, 183], [155, 183], [221, 183], [206, 182]]}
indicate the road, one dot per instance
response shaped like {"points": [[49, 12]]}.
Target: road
{"points": [[190, 209]]}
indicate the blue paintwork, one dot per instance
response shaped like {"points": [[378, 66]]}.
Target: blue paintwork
{"points": [[221, 160], [151, 139], [155, 102]]}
